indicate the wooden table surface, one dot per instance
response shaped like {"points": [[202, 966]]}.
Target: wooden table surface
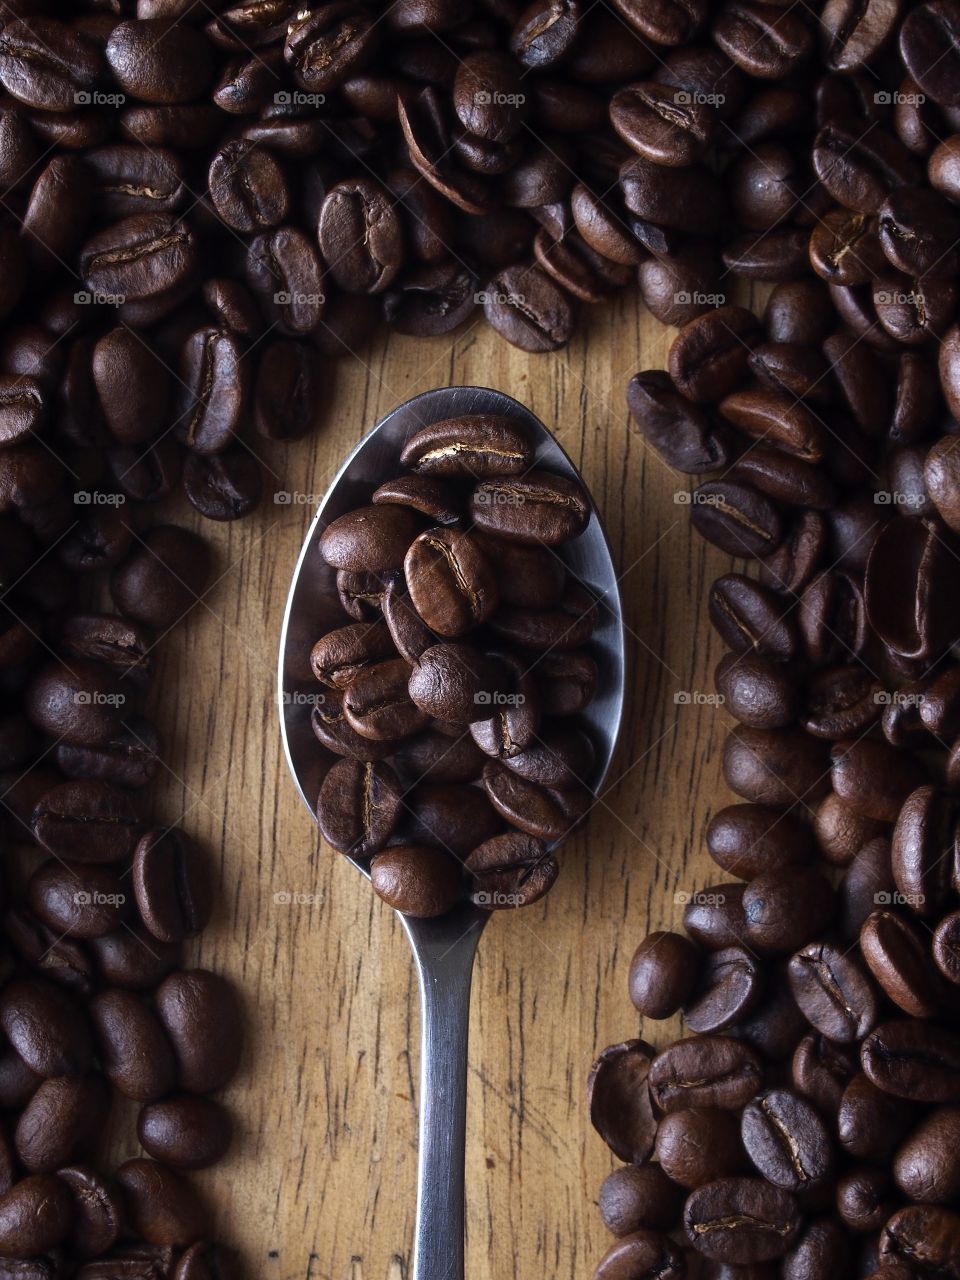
{"points": [[320, 1182]]}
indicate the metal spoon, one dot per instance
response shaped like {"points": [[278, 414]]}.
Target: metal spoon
{"points": [[443, 948]]}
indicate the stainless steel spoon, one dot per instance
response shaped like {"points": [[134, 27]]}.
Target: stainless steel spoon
{"points": [[444, 948]]}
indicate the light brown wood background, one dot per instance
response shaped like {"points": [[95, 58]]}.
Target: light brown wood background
{"points": [[320, 1183]]}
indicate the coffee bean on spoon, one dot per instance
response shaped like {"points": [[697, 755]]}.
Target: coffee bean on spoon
{"points": [[417, 880], [539, 811], [536, 507], [431, 496], [338, 657], [371, 539], [450, 581], [510, 870], [477, 446], [454, 817], [560, 756], [516, 719], [376, 703], [458, 683], [330, 728]]}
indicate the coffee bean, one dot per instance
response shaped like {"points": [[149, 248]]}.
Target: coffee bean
{"points": [[170, 885], [360, 236], [698, 1145], [157, 62], [359, 806], [525, 306], [457, 683], [568, 626], [834, 991], [736, 518], [946, 947], [567, 682], [538, 811], [456, 818], [185, 1131], [87, 821], [538, 507], [339, 656], [134, 1051], [663, 973], [784, 909], [63, 1120], [633, 1197], [479, 446], [417, 880], [142, 259], [913, 1060], [133, 958], [899, 958], [924, 849], [410, 635], [211, 403], [870, 1122], [434, 757], [433, 498], [643, 1254], [164, 576], [705, 1071], [248, 187], [929, 49], [750, 618], [681, 431], [370, 539], [288, 391], [35, 1215], [97, 1212], [775, 766], [714, 917], [859, 172], [926, 1165], [201, 1016], [323, 48], [741, 1220], [46, 1028], [450, 581], [787, 1140], [748, 839], [77, 900], [162, 1207], [620, 1102], [873, 778], [510, 870], [923, 1235]]}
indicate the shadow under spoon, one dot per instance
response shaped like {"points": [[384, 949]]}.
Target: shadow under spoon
{"points": [[443, 948]]}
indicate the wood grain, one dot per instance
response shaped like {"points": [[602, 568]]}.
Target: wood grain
{"points": [[320, 1183]]}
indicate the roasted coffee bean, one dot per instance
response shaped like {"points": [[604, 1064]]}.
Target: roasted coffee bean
{"points": [[698, 1145], [538, 507], [162, 1207], [642, 1253], [450, 581], [227, 486], [913, 1060], [775, 766], [288, 392], [748, 839], [513, 727], [35, 1215], [525, 306], [680, 430], [213, 389], [705, 1071], [657, 124], [566, 682], [899, 958], [185, 1131], [663, 973], [834, 991], [133, 958], [201, 1016], [821, 1069], [87, 821], [921, 1235], [928, 47], [164, 576], [924, 850], [787, 1140], [870, 1122], [946, 947], [568, 626], [63, 960], [456, 818], [561, 756], [858, 171], [248, 187], [741, 1220], [331, 729], [782, 476], [709, 355], [736, 518], [633, 1197], [142, 259], [81, 703], [714, 917], [359, 806], [756, 690], [433, 498], [133, 1049], [873, 778], [751, 618], [170, 885], [728, 991], [453, 682], [538, 811], [283, 270], [417, 880], [159, 62], [97, 1213], [688, 199], [620, 1102], [339, 656], [361, 238], [62, 1120], [46, 1027], [409, 633], [784, 909], [323, 48], [478, 446], [840, 702], [78, 900], [370, 539], [927, 1163], [867, 884], [510, 870], [774, 1026]]}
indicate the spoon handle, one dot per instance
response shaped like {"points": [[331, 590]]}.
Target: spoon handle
{"points": [[444, 973]]}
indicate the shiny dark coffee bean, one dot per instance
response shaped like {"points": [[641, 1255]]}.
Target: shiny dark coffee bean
{"points": [[870, 1123], [620, 1102], [170, 885], [185, 1131], [738, 519], [643, 1253], [359, 806], [741, 1220], [61, 1121], [525, 306], [729, 990], [834, 991], [705, 1071], [163, 577], [134, 1051], [663, 973], [913, 1060], [417, 880], [639, 1196], [248, 187], [370, 539], [787, 1140], [539, 811], [751, 619], [680, 430], [538, 507], [510, 870], [78, 900], [87, 821], [201, 1016], [450, 581], [162, 1207]]}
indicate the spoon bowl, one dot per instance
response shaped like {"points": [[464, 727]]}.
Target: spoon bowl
{"points": [[444, 947]]}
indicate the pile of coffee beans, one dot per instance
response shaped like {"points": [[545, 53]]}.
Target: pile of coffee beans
{"points": [[806, 1125], [452, 697]]}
